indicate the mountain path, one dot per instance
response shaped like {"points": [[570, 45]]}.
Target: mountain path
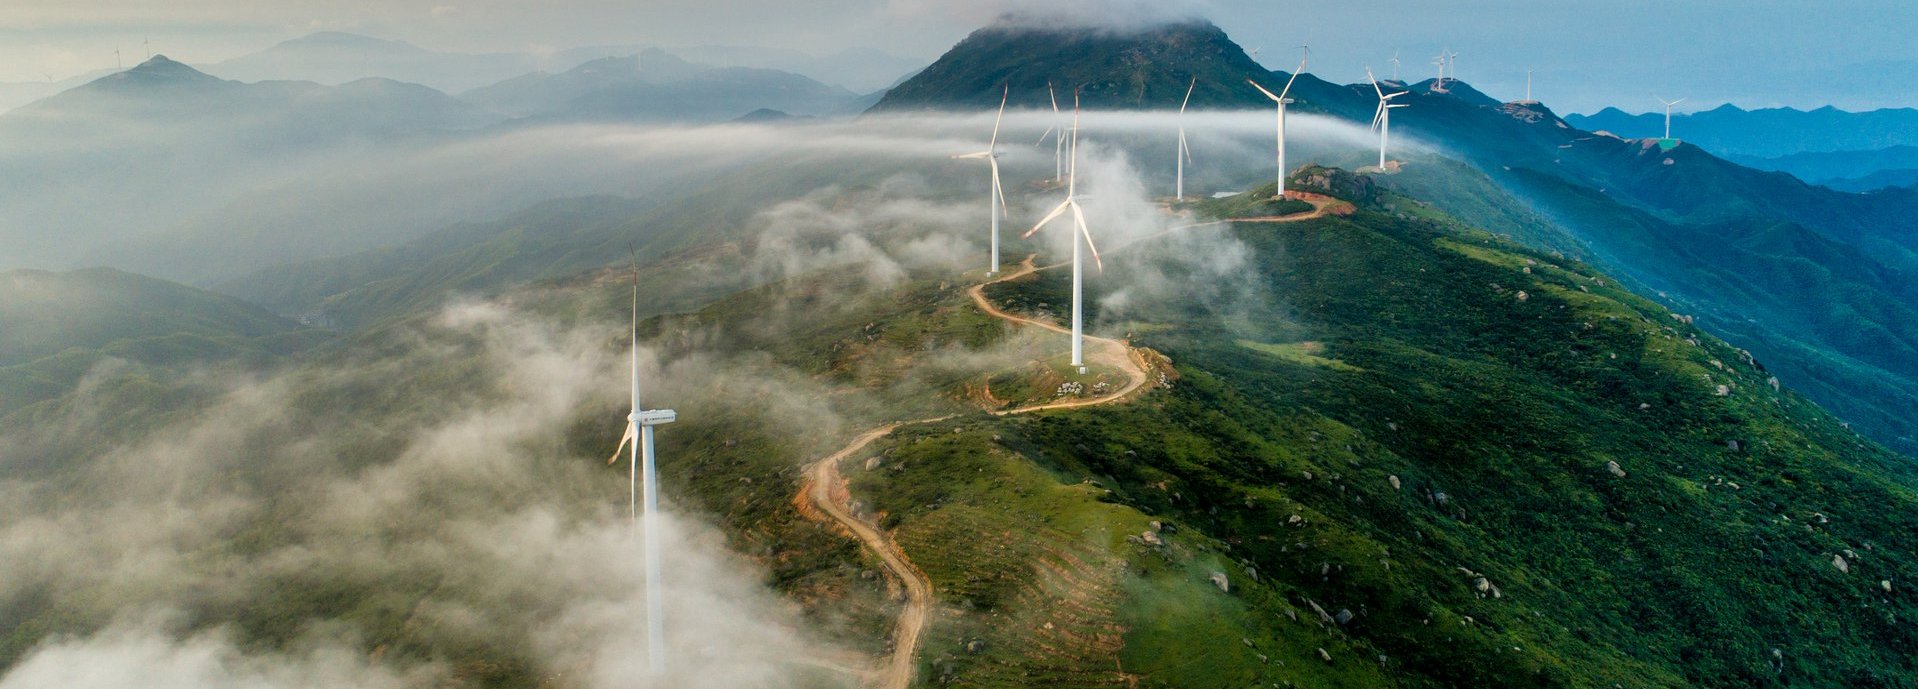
{"points": [[828, 490]]}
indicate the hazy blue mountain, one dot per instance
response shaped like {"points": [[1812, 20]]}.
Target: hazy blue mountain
{"points": [[1766, 132], [856, 69], [333, 57], [131, 154], [1861, 170]]}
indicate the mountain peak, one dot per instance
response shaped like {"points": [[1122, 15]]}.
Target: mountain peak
{"points": [[1119, 64], [159, 70]]}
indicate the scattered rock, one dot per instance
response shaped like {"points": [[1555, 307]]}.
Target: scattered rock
{"points": [[1522, 296], [1156, 525], [1724, 391], [1321, 611], [1327, 657], [1344, 616], [976, 646], [1219, 580], [1151, 538], [1612, 466], [1838, 561], [1394, 480], [872, 463], [1731, 445], [1885, 584]]}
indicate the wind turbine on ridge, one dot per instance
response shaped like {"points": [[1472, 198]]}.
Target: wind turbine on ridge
{"points": [[1395, 66], [639, 434], [1185, 152], [1382, 118], [996, 198], [1079, 230], [1279, 102], [1668, 114]]}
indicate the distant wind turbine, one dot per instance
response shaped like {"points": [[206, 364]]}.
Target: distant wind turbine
{"points": [[1279, 102], [117, 64], [1382, 118], [996, 198], [1185, 153], [1528, 87], [1395, 65], [1058, 141], [1078, 230], [639, 433], [1668, 114]]}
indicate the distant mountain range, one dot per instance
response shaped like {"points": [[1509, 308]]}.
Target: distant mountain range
{"points": [[1767, 132], [657, 86], [333, 57], [1870, 170], [130, 154]]}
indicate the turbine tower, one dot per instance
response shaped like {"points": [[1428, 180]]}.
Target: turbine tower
{"points": [[1382, 118], [996, 198], [1185, 152], [1279, 102], [1668, 114], [639, 432], [1528, 87], [1078, 230]]}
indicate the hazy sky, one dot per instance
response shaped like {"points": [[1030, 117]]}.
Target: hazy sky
{"points": [[1752, 52]]}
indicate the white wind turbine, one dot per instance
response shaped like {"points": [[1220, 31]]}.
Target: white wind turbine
{"points": [[1668, 114], [1279, 102], [639, 433], [996, 198], [1382, 118], [1058, 141], [1185, 152], [1078, 230], [1395, 65]]}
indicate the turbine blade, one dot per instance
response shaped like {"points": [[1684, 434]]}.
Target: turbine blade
{"points": [[1295, 77], [1072, 182], [994, 146], [1054, 96], [1043, 135], [1268, 94], [1188, 94], [997, 188], [632, 435], [1056, 212], [1079, 220]]}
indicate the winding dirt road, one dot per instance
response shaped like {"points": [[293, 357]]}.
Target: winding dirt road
{"points": [[827, 489]]}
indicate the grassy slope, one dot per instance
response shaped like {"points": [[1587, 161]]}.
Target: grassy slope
{"points": [[1498, 417]]}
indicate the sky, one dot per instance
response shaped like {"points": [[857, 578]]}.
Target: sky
{"points": [[1754, 53]]}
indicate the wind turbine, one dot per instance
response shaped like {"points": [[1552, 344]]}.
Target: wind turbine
{"points": [[1668, 114], [996, 199], [1185, 152], [639, 433], [1395, 65], [1279, 102], [1382, 118], [1078, 230], [1058, 142]]}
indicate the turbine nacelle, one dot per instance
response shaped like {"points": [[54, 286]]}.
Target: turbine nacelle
{"points": [[652, 417]]}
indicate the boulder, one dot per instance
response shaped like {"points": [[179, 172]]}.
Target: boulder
{"points": [[1612, 466], [1219, 580], [1394, 480], [1838, 562]]}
